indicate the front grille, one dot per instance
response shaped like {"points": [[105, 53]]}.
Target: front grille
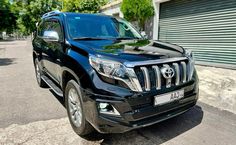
{"points": [[151, 78]]}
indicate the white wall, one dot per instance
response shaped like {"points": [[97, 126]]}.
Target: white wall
{"points": [[113, 10], [156, 4], [156, 20]]}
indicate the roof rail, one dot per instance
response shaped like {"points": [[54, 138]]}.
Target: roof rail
{"points": [[50, 14]]}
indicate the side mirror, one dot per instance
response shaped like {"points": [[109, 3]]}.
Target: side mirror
{"points": [[50, 36], [143, 33]]}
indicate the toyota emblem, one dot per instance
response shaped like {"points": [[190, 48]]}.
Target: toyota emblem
{"points": [[167, 72]]}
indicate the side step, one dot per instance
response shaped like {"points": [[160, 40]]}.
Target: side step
{"points": [[52, 85]]}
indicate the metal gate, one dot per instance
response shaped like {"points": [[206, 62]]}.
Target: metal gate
{"points": [[207, 27]]}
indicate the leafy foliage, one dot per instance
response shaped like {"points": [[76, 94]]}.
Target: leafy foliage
{"points": [[31, 11], [90, 6], [71, 5], [83, 6], [7, 17], [24, 14], [137, 10]]}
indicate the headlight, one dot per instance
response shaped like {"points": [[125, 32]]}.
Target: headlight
{"points": [[115, 70], [189, 55]]}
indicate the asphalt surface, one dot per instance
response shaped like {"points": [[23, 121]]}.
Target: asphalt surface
{"points": [[21, 100], [41, 118]]}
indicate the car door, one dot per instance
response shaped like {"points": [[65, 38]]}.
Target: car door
{"points": [[57, 49], [39, 44], [51, 50]]}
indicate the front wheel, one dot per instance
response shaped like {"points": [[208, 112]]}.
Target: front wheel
{"points": [[74, 106], [38, 73]]}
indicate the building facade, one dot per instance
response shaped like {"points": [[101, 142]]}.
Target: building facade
{"points": [[207, 27]]}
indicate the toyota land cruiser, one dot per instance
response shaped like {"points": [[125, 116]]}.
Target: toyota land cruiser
{"points": [[112, 78]]}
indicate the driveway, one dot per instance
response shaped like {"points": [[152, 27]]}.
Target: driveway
{"points": [[31, 115]]}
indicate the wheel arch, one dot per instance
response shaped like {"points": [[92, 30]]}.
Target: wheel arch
{"points": [[34, 56], [76, 65], [67, 75], [79, 75]]}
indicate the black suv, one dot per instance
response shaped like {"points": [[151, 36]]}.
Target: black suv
{"points": [[112, 78]]}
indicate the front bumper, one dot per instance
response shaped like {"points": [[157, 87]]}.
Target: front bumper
{"points": [[138, 110], [116, 125]]}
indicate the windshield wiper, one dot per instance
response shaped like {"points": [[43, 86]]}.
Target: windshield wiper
{"points": [[88, 38]]}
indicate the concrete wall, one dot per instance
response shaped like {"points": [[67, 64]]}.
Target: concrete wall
{"points": [[149, 28], [113, 10]]}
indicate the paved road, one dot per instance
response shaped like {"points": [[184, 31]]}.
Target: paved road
{"points": [[23, 102]]}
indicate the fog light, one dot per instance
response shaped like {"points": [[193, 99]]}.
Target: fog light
{"points": [[105, 108]]}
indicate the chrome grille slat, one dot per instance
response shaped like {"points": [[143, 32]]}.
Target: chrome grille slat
{"points": [[146, 78], [184, 71], [190, 69], [158, 76], [134, 79], [177, 73]]}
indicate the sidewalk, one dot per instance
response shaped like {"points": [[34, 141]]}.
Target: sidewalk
{"points": [[218, 87]]}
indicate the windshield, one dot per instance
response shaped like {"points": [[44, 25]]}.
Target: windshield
{"points": [[95, 26]]}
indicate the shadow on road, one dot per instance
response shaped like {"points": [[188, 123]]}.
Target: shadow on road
{"points": [[152, 135], [60, 99], [7, 42], [158, 133], [7, 61]]}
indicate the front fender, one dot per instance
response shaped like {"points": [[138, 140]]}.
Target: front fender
{"points": [[78, 66]]}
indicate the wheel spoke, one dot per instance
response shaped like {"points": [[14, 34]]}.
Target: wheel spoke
{"points": [[38, 74], [75, 107], [72, 101]]}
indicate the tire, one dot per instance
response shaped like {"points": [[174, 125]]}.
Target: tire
{"points": [[74, 105], [38, 73]]}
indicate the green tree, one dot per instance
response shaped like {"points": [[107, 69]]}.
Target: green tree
{"points": [[70, 5], [91, 6], [137, 10], [31, 11], [83, 6], [7, 17]]}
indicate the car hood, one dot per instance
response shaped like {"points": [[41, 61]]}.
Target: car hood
{"points": [[133, 50]]}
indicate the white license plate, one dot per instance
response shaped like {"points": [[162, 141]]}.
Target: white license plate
{"points": [[168, 97]]}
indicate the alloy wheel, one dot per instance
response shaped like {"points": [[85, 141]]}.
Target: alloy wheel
{"points": [[74, 105], [38, 74]]}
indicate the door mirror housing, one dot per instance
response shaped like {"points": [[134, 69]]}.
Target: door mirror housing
{"points": [[50, 36]]}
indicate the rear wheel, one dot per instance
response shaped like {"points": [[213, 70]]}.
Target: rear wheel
{"points": [[38, 73], [74, 106]]}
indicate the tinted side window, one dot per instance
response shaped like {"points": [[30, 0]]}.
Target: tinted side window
{"points": [[55, 26], [50, 25], [44, 26], [40, 29]]}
